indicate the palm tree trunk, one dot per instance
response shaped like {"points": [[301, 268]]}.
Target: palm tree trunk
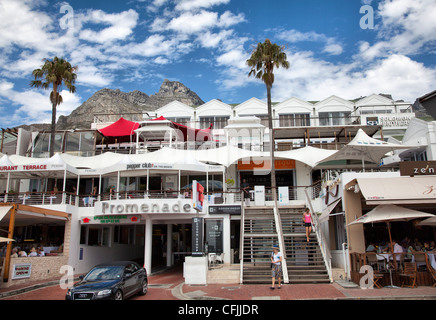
{"points": [[53, 120], [271, 144], [53, 129]]}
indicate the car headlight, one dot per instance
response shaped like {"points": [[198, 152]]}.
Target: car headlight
{"points": [[104, 292]]}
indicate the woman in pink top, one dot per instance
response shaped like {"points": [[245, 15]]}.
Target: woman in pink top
{"points": [[307, 223]]}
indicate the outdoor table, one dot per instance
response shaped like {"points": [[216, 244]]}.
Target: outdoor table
{"points": [[384, 257]]}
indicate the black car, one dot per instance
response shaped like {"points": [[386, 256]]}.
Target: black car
{"points": [[114, 281]]}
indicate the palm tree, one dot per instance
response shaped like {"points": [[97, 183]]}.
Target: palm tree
{"points": [[55, 72], [265, 57]]}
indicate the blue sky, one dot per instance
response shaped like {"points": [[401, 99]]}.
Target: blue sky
{"points": [[136, 44]]}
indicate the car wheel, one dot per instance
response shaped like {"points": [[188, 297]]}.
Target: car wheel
{"points": [[118, 295], [144, 288]]}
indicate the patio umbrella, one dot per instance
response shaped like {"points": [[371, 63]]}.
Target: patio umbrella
{"points": [[388, 213], [428, 222], [364, 148], [2, 239]]}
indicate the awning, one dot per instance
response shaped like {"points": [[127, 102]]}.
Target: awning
{"points": [[31, 215], [120, 128], [4, 211], [398, 190], [326, 212]]}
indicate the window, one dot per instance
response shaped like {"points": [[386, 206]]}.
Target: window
{"points": [[334, 118], [79, 141], [219, 122], [127, 235], [180, 120], [294, 120], [95, 235]]}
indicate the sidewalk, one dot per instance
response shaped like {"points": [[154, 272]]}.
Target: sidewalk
{"points": [[169, 285]]}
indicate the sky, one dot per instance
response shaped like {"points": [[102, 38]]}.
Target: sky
{"points": [[348, 48]]}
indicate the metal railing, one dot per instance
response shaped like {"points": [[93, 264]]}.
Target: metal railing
{"points": [[323, 244]]}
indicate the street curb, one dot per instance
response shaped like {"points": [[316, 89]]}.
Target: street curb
{"points": [[15, 292]]}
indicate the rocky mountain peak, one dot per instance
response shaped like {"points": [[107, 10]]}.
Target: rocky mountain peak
{"points": [[109, 101]]}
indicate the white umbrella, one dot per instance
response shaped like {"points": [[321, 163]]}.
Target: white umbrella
{"points": [[365, 148], [387, 213], [390, 212], [2, 239], [428, 222]]}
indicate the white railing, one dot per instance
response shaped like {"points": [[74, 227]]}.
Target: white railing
{"points": [[323, 244]]}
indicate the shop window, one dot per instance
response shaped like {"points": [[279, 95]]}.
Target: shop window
{"points": [[126, 235], [94, 236], [83, 233]]}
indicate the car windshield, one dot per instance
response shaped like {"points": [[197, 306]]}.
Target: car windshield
{"points": [[104, 273]]}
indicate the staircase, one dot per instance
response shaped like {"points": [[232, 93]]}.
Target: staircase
{"points": [[305, 263], [304, 259]]}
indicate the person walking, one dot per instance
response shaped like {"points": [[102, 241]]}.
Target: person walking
{"points": [[307, 219], [276, 261], [246, 189]]}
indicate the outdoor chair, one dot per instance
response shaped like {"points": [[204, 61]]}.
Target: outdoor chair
{"points": [[419, 259], [372, 260], [409, 273], [400, 257], [377, 277], [431, 270]]}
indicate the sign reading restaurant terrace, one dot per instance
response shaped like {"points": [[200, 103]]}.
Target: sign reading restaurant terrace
{"points": [[144, 206], [32, 167]]}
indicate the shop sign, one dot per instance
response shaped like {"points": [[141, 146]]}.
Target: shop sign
{"points": [[417, 168], [266, 164], [108, 219], [149, 165], [197, 237], [225, 209], [144, 206], [22, 271], [214, 236], [392, 120]]}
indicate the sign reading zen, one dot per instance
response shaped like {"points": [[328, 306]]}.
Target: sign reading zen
{"points": [[136, 206]]}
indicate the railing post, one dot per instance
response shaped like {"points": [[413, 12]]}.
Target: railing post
{"points": [[241, 241]]}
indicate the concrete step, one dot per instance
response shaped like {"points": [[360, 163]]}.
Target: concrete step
{"points": [[225, 274]]}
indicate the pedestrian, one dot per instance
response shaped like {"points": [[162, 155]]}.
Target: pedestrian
{"points": [[307, 219], [246, 189], [276, 266]]}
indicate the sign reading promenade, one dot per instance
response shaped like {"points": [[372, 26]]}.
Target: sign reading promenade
{"points": [[144, 206]]}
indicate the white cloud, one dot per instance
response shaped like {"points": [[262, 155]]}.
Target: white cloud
{"points": [[190, 23], [190, 5], [311, 78], [331, 45], [121, 25], [34, 105], [406, 27]]}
